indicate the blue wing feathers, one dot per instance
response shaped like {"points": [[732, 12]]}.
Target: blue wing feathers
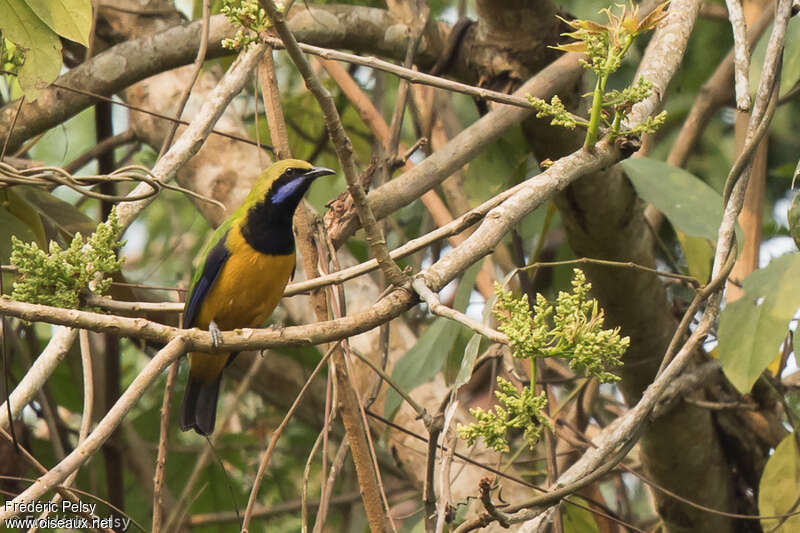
{"points": [[209, 271]]}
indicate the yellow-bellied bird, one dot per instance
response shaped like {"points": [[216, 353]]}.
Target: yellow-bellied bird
{"points": [[241, 278]]}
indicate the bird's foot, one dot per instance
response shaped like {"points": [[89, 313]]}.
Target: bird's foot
{"points": [[216, 334]]}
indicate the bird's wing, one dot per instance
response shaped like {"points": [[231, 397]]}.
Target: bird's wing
{"points": [[215, 254]]}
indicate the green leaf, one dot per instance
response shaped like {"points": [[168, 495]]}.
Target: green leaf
{"points": [[790, 70], [17, 219], [779, 488], [578, 519], [17, 206], [501, 163], [41, 45], [473, 346], [470, 354], [752, 328], [60, 214], [699, 253], [69, 18], [427, 357], [691, 206], [793, 217], [10, 226]]}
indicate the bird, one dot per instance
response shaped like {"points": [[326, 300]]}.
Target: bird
{"points": [[241, 277]]}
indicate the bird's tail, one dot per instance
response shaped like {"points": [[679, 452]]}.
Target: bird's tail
{"points": [[199, 409]]}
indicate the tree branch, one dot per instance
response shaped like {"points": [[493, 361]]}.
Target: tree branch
{"points": [[170, 353], [38, 374], [409, 186]]}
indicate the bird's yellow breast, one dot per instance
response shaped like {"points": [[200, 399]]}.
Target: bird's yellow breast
{"points": [[248, 288]]}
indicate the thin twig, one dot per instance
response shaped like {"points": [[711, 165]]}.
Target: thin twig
{"points": [[86, 415], [210, 519], [88, 389], [434, 427], [118, 306], [53, 176], [161, 459], [411, 75], [485, 487], [372, 453], [109, 143], [325, 499], [715, 92], [342, 372], [304, 489], [417, 29], [443, 506], [11, 129], [736, 184], [202, 460], [691, 280], [156, 114], [273, 441], [418, 409], [343, 146], [196, 68], [436, 307]]}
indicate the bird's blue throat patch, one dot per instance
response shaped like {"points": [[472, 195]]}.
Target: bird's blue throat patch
{"points": [[286, 190]]}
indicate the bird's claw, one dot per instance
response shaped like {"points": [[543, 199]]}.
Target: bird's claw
{"points": [[216, 334]]}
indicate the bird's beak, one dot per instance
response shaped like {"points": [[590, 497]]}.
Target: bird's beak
{"points": [[316, 172]]}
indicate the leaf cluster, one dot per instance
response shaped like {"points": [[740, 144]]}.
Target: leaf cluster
{"points": [[518, 410], [605, 45], [250, 16], [571, 328], [59, 277], [555, 109], [31, 32]]}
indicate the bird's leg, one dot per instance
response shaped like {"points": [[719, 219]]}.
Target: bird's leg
{"points": [[216, 334]]}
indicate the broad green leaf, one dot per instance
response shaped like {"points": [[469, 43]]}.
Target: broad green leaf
{"points": [[11, 200], [427, 357], [790, 71], [41, 45], [473, 346], [69, 18], [470, 354], [11, 225], [66, 142], [752, 328], [62, 215], [699, 254], [779, 488], [691, 206], [578, 519], [501, 163], [24, 227], [530, 227]]}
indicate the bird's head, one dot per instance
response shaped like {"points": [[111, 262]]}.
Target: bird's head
{"points": [[285, 182]]}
